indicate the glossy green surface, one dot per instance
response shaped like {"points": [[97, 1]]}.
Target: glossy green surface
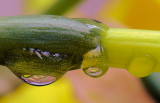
{"points": [[50, 33], [60, 44], [66, 40], [138, 51]]}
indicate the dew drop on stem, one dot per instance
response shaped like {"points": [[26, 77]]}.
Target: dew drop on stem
{"points": [[95, 62], [38, 67]]}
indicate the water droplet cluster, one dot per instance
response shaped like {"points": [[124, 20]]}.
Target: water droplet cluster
{"points": [[68, 48], [49, 67]]}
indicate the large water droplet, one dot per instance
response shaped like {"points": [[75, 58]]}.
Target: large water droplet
{"points": [[93, 71], [43, 67], [38, 80], [95, 62]]}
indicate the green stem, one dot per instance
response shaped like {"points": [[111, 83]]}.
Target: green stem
{"points": [[138, 51], [135, 50], [61, 6]]}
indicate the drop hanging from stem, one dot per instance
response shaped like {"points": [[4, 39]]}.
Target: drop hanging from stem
{"points": [[40, 49]]}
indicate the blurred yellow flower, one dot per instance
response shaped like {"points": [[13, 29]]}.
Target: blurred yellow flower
{"points": [[58, 92], [139, 14]]}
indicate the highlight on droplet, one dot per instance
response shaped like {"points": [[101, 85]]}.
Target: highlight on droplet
{"points": [[38, 80], [93, 71]]}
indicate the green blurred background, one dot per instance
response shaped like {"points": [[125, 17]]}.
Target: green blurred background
{"points": [[117, 86]]}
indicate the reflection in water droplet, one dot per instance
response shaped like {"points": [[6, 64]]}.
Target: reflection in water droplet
{"points": [[31, 50], [93, 71], [38, 80], [47, 54]]}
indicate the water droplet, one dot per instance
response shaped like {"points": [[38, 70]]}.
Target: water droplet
{"points": [[95, 62], [50, 66], [141, 65], [38, 80], [97, 56], [93, 71]]}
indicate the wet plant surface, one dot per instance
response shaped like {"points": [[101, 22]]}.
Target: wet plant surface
{"points": [[43, 48]]}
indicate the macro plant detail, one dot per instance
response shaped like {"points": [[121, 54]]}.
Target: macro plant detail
{"points": [[40, 49]]}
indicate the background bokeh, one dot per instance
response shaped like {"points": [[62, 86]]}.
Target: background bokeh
{"points": [[117, 86]]}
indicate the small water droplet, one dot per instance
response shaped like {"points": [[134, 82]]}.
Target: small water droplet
{"points": [[38, 80], [93, 71], [95, 62]]}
